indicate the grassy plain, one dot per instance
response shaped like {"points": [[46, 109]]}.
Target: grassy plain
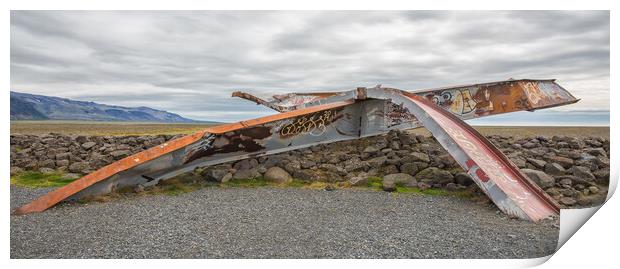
{"points": [[133, 128], [105, 128]]}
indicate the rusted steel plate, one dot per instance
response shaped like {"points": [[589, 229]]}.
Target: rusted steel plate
{"points": [[493, 172], [464, 101], [480, 100]]}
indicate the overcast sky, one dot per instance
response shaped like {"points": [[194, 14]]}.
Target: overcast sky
{"points": [[190, 62]]}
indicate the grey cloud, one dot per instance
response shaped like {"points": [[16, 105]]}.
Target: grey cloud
{"points": [[189, 62]]}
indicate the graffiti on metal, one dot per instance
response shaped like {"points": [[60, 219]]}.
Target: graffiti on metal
{"points": [[314, 124]]}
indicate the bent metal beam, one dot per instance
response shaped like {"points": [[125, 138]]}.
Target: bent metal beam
{"points": [[319, 118]]}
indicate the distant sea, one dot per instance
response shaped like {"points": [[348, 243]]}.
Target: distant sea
{"points": [[546, 118]]}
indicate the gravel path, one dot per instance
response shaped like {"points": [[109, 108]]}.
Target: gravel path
{"points": [[276, 223]]}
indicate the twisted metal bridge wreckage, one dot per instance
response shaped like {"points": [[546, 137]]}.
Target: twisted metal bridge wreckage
{"points": [[308, 119]]}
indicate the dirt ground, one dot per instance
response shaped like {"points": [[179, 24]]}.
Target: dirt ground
{"points": [[133, 128]]}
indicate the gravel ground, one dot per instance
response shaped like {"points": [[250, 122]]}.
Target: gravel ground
{"points": [[276, 223]]}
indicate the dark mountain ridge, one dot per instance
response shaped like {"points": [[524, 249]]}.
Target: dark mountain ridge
{"points": [[26, 106]]}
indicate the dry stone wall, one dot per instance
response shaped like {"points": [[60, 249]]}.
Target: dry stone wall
{"points": [[575, 171]]}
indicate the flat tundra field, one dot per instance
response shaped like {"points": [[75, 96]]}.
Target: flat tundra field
{"points": [[132, 128]]}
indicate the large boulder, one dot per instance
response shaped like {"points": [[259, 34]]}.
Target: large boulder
{"points": [[246, 164], [539, 177], [554, 169], [434, 175], [409, 168], [215, 173], [371, 150], [377, 161], [563, 161], [119, 154], [246, 173], [463, 179], [537, 163], [583, 173], [401, 178], [79, 167], [419, 157], [354, 164], [277, 175], [88, 145]]}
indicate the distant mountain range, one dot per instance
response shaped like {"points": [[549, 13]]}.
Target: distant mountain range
{"points": [[40, 107]]}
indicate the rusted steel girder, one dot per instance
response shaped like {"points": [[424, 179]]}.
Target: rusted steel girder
{"points": [[331, 117], [513, 192], [465, 101]]}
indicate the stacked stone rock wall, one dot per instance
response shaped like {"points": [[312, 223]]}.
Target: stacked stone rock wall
{"points": [[572, 170]]}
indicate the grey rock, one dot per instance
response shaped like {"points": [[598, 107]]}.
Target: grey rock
{"points": [[583, 200], [395, 145], [434, 175], [306, 164], [463, 179], [63, 156], [568, 201], [563, 161], [226, 178], [354, 164], [78, 167], [277, 175], [594, 189], [554, 169], [400, 179], [451, 187], [389, 169], [71, 176], [420, 157], [307, 175], [246, 174], [215, 173], [358, 180], [552, 191], [138, 188], [119, 154], [88, 145], [16, 170], [529, 145], [602, 175], [48, 163], [537, 163], [539, 177], [371, 150], [565, 182], [293, 166], [377, 161], [61, 163], [46, 170], [409, 168], [583, 173], [246, 164], [597, 152]]}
